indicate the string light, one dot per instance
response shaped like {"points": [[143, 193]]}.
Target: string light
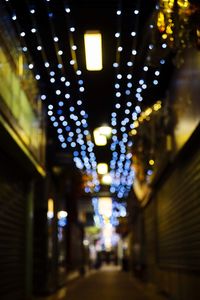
{"points": [[126, 94], [80, 162], [120, 164]]}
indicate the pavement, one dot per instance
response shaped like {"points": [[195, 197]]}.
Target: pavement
{"points": [[108, 283]]}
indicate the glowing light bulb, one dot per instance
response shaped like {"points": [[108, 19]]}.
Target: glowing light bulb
{"points": [[117, 105], [115, 65], [37, 77], [67, 96], [58, 92], [155, 82], [78, 72], [30, 66], [164, 46], [43, 97], [118, 94], [67, 83]]}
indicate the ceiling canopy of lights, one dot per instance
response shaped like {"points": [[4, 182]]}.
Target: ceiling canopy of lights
{"points": [[79, 99]]}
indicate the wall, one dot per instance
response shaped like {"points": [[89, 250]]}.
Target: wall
{"points": [[22, 148], [172, 226], [171, 217], [15, 249]]}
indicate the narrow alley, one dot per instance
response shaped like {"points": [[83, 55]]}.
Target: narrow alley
{"points": [[100, 150]]}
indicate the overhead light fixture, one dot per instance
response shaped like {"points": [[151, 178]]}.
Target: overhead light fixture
{"points": [[106, 179], [101, 134], [105, 206], [102, 168], [62, 214], [106, 130], [99, 139], [93, 50]]}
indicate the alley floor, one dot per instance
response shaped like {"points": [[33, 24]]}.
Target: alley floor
{"points": [[108, 283]]}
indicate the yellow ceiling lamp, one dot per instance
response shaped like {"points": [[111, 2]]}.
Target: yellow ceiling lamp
{"points": [[99, 139], [102, 168], [62, 214], [105, 130], [105, 206], [101, 134], [93, 50], [106, 179]]}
